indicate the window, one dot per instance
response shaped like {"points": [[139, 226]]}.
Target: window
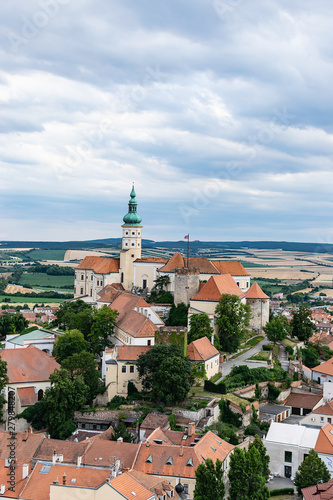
{"points": [[237, 283], [144, 284], [186, 488], [122, 278], [123, 369], [75, 290], [287, 471], [138, 233], [133, 244], [148, 342], [40, 394], [329, 420], [81, 291], [92, 277], [211, 365], [131, 368], [322, 419], [133, 233], [126, 233], [97, 282], [82, 277], [126, 244], [288, 456]]}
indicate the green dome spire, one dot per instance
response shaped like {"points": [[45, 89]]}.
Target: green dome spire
{"points": [[132, 218]]}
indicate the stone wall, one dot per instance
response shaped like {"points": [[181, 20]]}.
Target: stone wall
{"points": [[186, 285], [259, 313]]}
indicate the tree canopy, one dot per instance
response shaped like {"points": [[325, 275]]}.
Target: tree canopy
{"points": [[200, 327], [104, 321], [177, 315], [165, 373], [246, 475], [69, 343], [312, 471], [301, 325], [233, 318], [209, 481], [3, 382], [275, 330]]}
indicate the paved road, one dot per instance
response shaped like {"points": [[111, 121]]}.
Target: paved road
{"points": [[241, 360]]}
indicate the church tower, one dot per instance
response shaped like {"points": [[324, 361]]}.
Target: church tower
{"points": [[131, 242]]}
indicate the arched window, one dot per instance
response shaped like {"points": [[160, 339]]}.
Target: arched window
{"points": [[40, 394]]}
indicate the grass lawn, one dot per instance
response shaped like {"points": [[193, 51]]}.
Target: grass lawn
{"points": [[261, 356], [46, 280], [235, 399], [254, 341], [200, 392], [289, 342]]}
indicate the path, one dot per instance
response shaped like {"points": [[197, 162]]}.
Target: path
{"points": [[242, 359]]}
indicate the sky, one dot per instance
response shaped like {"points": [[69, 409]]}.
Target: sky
{"points": [[220, 112]]}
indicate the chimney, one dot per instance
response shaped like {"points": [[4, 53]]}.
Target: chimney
{"points": [[7, 461], [120, 440], [181, 453], [64, 479], [30, 430], [56, 481], [2, 489], [26, 434], [25, 470], [191, 429], [147, 444], [79, 460]]}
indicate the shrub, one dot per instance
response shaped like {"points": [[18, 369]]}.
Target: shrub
{"points": [[116, 402], [268, 347], [289, 350], [282, 491], [273, 392], [216, 388]]}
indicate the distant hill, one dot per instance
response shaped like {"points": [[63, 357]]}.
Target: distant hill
{"points": [[174, 245]]}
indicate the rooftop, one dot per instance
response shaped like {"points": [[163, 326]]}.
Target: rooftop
{"points": [[201, 350], [217, 286], [28, 365], [100, 265]]}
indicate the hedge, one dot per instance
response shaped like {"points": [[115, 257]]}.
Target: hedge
{"points": [[267, 347], [282, 491], [216, 388]]}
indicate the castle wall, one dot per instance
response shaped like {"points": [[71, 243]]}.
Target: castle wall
{"points": [[186, 285]]}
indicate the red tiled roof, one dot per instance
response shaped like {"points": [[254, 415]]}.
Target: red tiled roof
{"points": [[25, 445], [131, 352], [217, 286], [201, 350], [19, 482], [233, 267], [324, 442], [203, 265], [255, 292], [157, 260], [100, 265], [70, 450], [300, 400], [28, 365], [322, 491], [155, 420], [27, 396], [130, 320]]}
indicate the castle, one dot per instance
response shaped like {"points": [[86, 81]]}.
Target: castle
{"points": [[196, 281]]}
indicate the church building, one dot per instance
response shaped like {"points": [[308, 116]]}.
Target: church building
{"points": [[197, 281]]}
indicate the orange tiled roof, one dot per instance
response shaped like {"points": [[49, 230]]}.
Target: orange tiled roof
{"points": [[131, 352], [102, 453], [233, 267], [100, 265], [180, 461], [168, 436], [127, 484], [38, 485], [130, 320], [324, 442], [255, 292], [322, 491], [326, 409], [201, 350], [155, 420], [70, 450], [325, 368], [19, 482], [157, 260], [27, 396], [28, 365], [217, 286], [152, 482], [26, 445]]}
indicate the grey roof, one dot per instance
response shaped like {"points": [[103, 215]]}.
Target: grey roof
{"points": [[272, 409], [34, 335]]}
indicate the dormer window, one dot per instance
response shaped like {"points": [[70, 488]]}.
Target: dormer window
{"points": [[169, 461], [190, 462], [149, 459]]}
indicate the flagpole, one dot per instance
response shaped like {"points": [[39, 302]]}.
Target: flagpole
{"points": [[188, 249]]}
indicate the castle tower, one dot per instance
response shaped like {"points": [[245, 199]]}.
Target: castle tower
{"points": [[131, 242]]}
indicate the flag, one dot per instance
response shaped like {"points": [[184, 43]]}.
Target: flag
{"points": [[187, 237]]}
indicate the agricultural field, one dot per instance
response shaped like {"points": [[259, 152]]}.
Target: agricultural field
{"points": [[47, 281], [54, 254], [29, 300]]}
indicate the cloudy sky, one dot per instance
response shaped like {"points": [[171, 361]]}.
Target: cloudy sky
{"points": [[220, 111]]}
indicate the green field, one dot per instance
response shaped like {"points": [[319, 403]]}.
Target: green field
{"points": [[46, 254], [43, 280], [29, 300], [251, 264]]}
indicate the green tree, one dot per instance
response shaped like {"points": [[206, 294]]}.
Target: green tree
{"points": [[312, 471], [69, 343], [121, 430], [104, 321], [257, 443], [57, 408], [275, 330], [177, 315], [200, 327], [165, 373], [246, 476], [76, 315], [6, 325], [3, 382], [310, 357], [209, 481], [233, 318], [301, 325], [84, 363]]}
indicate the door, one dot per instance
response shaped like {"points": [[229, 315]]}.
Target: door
{"points": [[287, 471]]}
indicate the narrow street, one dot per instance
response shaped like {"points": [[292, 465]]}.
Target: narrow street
{"points": [[242, 359]]}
